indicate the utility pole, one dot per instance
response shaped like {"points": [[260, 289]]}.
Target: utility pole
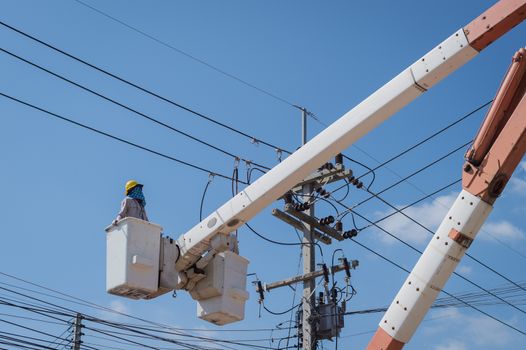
{"points": [[322, 320], [309, 258], [77, 332]]}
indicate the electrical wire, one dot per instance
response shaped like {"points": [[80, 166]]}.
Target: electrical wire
{"points": [[443, 291], [447, 127], [90, 318], [184, 53], [432, 233], [282, 243], [210, 178], [130, 109], [420, 252], [196, 167], [145, 90], [102, 308]]}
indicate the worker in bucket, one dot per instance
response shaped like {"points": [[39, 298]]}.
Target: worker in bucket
{"points": [[134, 202]]}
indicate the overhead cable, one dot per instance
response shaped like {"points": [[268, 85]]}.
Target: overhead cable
{"points": [[145, 90], [115, 137], [184, 53], [130, 109]]}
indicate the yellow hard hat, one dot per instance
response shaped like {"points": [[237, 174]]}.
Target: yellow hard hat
{"points": [[129, 185]]}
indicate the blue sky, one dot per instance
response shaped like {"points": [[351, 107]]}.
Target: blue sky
{"points": [[62, 184]]}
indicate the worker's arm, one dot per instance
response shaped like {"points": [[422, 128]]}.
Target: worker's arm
{"points": [[124, 210]]}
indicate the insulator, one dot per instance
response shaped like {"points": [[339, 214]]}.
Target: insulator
{"points": [[350, 234], [338, 159], [320, 298], [338, 226], [301, 206], [260, 291], [327, 220], [325, 273], [359, 185], [287, 198], [347, 267], [334, 294], [355, 182]]}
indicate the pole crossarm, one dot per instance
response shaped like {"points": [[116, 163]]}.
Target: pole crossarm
{"points": [[267, 287]]}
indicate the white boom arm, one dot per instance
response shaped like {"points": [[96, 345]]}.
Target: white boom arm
{"points": [[438, 63]]}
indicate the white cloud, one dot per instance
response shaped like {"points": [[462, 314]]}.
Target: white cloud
{"points": [[429, 214], [464, 270], [503, 230], [452, 345], [119, 307], [479, 329], [487, 332]]}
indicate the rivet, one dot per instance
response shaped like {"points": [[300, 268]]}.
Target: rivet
{"points": [[418, 289], [450, 217], [405, 309], [427, 70], [397, 302], [392, 328], [446, 243], [438, 237], [409, 282], [483, 17]]}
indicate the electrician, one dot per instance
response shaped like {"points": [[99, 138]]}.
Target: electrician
{"points": [[134, 202]]}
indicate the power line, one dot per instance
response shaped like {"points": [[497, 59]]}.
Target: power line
{"points": [[131, 328], [138, 113], [420, 252], [201, 61], [432, 233], [443, 291], [116, 138], [145, 90], [99, 307]]}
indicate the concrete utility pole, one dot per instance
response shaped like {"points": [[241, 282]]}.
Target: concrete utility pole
{"points": [[77, 332], [309, 258]]}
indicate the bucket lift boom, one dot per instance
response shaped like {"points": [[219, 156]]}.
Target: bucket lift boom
{"points": [[206, 245]]}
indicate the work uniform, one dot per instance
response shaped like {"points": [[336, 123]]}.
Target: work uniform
{"points": [[132, 207]]}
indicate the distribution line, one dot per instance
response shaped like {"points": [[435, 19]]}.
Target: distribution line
{"points": [[14, 341], [184, 53], [432, 135], [116, 138], [113, 324], [404, 179], [253, 138], [99, 307], [420, 252], [120, 325], [145, 90], [407, 150], [443, 291], [432, 233], [143, 115]]}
